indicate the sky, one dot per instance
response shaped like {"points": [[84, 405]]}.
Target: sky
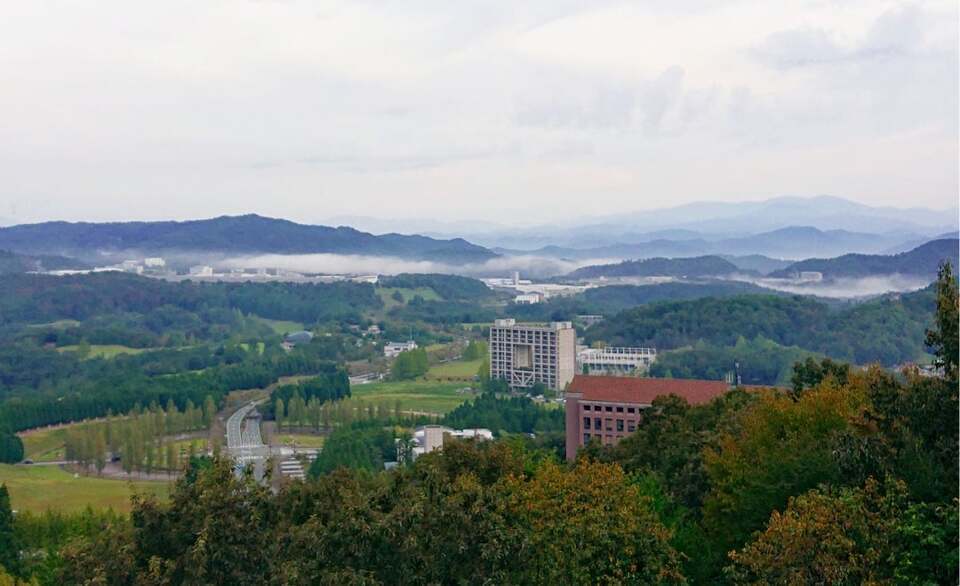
{"points": [[512, 112]]}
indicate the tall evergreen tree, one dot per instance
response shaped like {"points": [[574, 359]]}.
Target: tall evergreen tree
{"points": [[9, 543]]}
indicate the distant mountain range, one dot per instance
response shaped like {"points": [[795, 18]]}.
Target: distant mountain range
{"points": [[921, 261], [794, 242], [710, 221], [701, 266], [249, 234]]}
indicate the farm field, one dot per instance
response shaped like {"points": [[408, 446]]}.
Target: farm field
{"points": [[38, 488], [104, 350], [302, 440], [386, 294], [455, 369], [279, 326], [416, 395]]}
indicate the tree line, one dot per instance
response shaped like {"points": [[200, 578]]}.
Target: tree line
{"points": [[137, 439]]}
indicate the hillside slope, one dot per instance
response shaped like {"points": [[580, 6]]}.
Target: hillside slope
{"points": [[921, 261], [699, 266], [250, 234]]}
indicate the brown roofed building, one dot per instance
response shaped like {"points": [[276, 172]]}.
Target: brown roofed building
{"points": [[609, 408]]}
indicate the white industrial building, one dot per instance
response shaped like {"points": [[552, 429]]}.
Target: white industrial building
{"points": [[615, 360], [526, 354], [429, 438], [393, 349], [201, 271], [528, 298]]}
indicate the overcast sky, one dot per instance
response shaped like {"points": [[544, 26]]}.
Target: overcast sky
{"points": [[451, 109]]}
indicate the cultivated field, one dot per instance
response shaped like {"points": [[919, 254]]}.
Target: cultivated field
{"points": [[104, 350], [38, 488], [458, 369], [419, 395]]}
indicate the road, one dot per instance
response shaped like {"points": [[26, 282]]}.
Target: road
{"points": [[245, 443]]}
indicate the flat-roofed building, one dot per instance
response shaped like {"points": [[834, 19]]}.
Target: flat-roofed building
{"points": [[615, 360], [608, 408], [526, 354]]}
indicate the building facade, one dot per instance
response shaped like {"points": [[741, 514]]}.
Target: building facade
{"points": [[526, 354], [615, 360], [608, 408], [394, 349]]}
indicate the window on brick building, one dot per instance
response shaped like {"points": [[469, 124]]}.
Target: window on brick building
{"points": [[586, 423], [631, 426], [619, 424], [586, 438]]}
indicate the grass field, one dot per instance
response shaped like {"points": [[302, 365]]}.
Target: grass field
{"points": [[417, 395], [38, 488], [104, 350], [302, 440], [458, 369], [260, 347], [44, 445], [386, 294], [279, 326]]}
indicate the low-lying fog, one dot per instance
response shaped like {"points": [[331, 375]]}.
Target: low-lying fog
{"points": [[534, 267], [529, 266], [841, 288]]}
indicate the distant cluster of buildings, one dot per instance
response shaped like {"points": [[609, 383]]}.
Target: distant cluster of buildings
{"points": [[526, 354], [528, 293], [604, 397]]}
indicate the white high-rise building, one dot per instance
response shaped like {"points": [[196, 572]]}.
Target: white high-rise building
{"points": [[525, 354]]}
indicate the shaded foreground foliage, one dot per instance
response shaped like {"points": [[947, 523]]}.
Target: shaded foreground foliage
{"points": [[474, 514]]}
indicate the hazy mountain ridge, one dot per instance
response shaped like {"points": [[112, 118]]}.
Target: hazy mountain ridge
{"points": [[713, 221], [249, 234], [793, 242], [700, 266], [921, 261]]}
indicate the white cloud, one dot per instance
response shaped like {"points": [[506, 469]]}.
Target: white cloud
{"points": [[548, 109]]}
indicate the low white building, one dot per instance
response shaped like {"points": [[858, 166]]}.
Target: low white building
{"points": [[201, 271], [528, 298], [154, 262], [393, 349], [615, 360], [429, 438]]}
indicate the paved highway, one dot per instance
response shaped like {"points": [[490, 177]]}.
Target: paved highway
{"points": [[245, 443]]}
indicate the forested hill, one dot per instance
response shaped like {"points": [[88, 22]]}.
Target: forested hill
{"points": [[921, 261], [11, 262], [699, 266], [43, 298], [889, 330], [247, 234]]}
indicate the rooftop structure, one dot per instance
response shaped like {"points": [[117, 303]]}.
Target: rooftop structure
{"points": [[608, 408], [526, 354], [301, 337], [615, 360]]}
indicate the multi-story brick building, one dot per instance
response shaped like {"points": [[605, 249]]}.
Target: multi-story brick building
{"points": [[526, 354], [609, 408]]}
